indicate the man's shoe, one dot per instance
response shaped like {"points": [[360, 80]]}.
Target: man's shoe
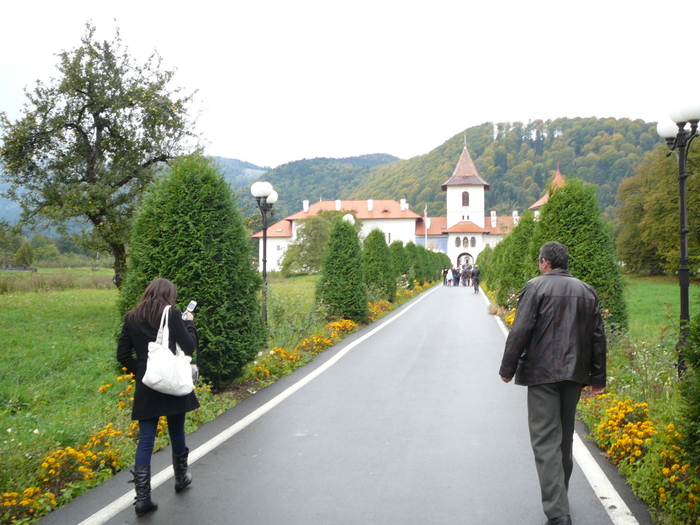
{"points": [[561, 520]]}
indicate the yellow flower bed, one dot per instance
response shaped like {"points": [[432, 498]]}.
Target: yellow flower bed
{"points": [[648, 454], [377, 309], [510, 318], [67, 472], [278, 362]]}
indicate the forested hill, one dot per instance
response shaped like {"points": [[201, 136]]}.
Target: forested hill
{"points": [[317, 179], [518, 161], [237, 172]]}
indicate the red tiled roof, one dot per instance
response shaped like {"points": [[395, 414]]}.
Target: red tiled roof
{"points": [[437, 226], [557, 182], [503, 225], [465, 173], [282, 228], [465, 227], [381, 209]]}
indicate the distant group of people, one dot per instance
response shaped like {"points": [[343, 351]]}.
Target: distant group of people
{"points": [[464, 274]]}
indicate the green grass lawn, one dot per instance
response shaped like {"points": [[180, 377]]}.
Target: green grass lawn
{"points": [[56, 350], [47, 279], [653, 304]]}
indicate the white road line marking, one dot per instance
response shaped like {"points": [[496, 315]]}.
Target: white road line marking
{"points": [[613, 503], [118, 505], [611, 500]]}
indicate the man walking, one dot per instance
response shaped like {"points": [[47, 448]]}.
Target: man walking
{"points": [[555, 347]]}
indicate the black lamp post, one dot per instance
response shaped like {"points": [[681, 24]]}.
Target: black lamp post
{"points": [[678, 138], [265, 196]]}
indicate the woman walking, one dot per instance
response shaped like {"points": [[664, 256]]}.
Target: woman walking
{"points": [[140, 328]]}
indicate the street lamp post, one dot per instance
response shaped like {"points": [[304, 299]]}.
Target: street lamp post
{"points": [[678, 138], [265, 196]]}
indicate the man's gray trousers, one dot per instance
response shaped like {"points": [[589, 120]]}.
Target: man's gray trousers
{"points": [[551, 416]]}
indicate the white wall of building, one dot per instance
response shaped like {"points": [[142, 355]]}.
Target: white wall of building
{"points": [[403, 230], [275, 253], [457, 213]]}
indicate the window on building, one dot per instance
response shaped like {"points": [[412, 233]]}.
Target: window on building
{"points": [[458, 241], [473, 242], [465, 241], [465, 198]]}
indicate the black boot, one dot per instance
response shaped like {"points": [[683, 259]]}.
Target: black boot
{"points": [[142, 482], [182, 478]]}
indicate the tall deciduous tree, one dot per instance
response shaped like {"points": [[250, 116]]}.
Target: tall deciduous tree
{"points": [[25, 255], [91, 140], [189, 231], [649, 217], [305, 254], [10, 241]]}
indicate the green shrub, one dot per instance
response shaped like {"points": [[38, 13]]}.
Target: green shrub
{"points": [[189, 231], [690, 393], [342, 289], [411, 252], [379, 271], [511, 264], [399, 260], [572, 217]]}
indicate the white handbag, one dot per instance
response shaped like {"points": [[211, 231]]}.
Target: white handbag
{"points": [[167, 372]]}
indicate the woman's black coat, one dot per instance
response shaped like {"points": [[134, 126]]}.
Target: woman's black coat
{"points": [[134, 339]]}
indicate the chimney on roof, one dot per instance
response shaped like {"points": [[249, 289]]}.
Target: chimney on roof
{"points": [[494, 219], [404, 206], [338, 205], [516, 218], [370, 204], [305, 205]]}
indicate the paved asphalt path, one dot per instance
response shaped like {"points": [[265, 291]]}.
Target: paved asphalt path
{"points": [[404, 422]]}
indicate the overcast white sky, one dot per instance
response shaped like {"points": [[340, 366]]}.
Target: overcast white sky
{"points": [[282, 80]]}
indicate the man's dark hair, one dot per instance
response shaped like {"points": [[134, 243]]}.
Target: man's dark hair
{"points": [[556, 253]]}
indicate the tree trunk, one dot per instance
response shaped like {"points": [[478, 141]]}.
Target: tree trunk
{"points": [[119, 253]]}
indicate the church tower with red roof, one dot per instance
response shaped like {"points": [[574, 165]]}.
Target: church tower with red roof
{"points": [[465, 201]]}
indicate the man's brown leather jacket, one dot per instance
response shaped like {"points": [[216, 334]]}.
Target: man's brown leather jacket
{"points": [[558, 333]]}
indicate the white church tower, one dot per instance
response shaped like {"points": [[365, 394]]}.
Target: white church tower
{"points": [[465, 193], [465, 224]]}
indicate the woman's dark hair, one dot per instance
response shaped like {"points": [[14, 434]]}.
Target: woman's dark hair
{"points": [[157, 295], [556, 253]]}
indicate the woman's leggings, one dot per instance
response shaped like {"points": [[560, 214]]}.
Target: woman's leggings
{"points": [[148, 429]]}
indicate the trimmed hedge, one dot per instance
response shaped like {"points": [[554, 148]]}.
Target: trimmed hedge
{"points": [[342, 289], [188, 230]]}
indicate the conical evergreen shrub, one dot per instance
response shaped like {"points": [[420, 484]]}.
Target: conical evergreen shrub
{"points": [[398, 259], [342, 290], [511, 265], [379, 270], [572, 217], [189, 231], [689, 388]]}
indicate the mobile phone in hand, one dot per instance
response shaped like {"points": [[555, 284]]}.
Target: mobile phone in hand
{"points": [[190, 308]]}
